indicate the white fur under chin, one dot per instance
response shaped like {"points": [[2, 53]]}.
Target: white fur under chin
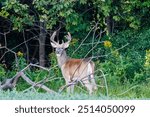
{"points": [[58, 55]]}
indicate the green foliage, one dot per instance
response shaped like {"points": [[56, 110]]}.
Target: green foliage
{"points": [[55, 73], [4, 13], [2, 72], [22, 63], [31, 95], [124, 68], [69, 13], [48, 11], [130, 12], [17, 13], [139, 92]]}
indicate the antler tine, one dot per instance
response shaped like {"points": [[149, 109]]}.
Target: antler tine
{"points": [[52, 37], [68, 37]]}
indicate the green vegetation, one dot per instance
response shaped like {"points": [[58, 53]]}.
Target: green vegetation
{"points": [[13, 95], [121, 53]]}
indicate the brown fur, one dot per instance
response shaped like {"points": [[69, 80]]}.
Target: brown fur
{"points": [[76, 68]]}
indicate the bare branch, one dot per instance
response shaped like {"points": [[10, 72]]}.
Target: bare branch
{"points": [[34, 84], [10, 83]]}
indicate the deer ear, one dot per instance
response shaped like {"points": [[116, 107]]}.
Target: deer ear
{"points": [[66, 45], [53, 45]]}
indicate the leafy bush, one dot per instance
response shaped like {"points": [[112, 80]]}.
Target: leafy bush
{"points": [[2, 72], [125, 67]]}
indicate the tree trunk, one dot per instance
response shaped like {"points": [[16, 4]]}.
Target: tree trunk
{"points": [[109, 19], [109, 24], [42, 39]]}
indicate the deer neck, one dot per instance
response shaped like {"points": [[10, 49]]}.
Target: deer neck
{"points": [[62, 59]]}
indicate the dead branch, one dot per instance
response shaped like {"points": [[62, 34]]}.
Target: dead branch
{"points": [[11, 83], [35, 84], [7, 84]]}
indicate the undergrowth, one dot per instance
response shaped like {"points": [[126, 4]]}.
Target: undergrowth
{"points": [[127, 71]]}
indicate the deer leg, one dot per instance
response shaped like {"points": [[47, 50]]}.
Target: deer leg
{"points": [[93, 82], [70, 88], [88, 85]]}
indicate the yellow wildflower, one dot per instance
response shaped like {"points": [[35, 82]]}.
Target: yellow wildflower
{"points": [[107, 44], [20, 54]]}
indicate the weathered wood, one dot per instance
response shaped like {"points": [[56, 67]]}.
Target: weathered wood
{"points": [[11, 83]]}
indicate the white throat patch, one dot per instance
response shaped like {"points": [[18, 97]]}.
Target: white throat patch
{"points": [[58, 55]]}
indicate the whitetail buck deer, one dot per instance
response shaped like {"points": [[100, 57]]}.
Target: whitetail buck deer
{"points": [[74, 69]]}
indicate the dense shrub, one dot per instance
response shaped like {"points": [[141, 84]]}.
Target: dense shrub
{"points": [[2, 72]]}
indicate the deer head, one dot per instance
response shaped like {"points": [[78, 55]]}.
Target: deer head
{"points": [[60, 47]]}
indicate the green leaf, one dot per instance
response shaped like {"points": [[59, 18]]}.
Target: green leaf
{"points": [[116, 18]]}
